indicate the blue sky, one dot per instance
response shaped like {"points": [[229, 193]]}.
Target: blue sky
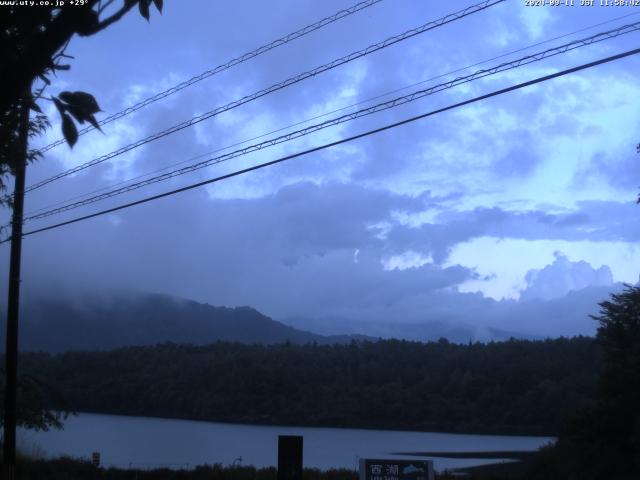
{"points": [[487, 216]]}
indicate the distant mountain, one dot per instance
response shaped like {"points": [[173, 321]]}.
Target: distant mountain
{"points": [[427, 331], [482, 319], [56, 324]]}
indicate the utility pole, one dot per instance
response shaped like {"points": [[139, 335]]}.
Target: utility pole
{"points": [[13, 304]]}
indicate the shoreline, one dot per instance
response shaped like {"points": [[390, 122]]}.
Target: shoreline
{"points": [[258, 423], [497, 454]]}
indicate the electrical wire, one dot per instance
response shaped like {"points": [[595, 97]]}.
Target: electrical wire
{"points": [[536, 57], [339, 142], [275, 87], [326, 114], [225, 66]]}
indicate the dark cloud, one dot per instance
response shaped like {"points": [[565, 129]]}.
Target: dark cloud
{"points": [[591, 220], [306, 248], [306, 251]]}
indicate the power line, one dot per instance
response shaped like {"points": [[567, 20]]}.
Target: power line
{"points": [[275, 87], [536, 57], [278, 86], [339, 142], [322, 115], [225, 66]]}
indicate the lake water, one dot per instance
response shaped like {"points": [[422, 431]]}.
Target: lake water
{"points": [[140, 442]]}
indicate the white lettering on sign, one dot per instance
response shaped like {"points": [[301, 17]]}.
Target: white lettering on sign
{"points": [[392, 470]]}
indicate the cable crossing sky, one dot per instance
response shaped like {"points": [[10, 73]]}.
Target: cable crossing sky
{"points": [[342, 141], [225, 66], [326, 114], [278, 86], [536, 57]]}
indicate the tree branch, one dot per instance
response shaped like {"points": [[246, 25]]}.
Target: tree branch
{"points": [[37, 54], [128, 5], [102, 8]]}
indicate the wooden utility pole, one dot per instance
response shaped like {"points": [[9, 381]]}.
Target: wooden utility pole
{"points": [[13, 304]]}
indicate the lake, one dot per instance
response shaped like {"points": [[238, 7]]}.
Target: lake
{"points": [[141, 442]]}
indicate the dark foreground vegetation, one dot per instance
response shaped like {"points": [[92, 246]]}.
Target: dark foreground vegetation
{"points": [[66, 469], [514, 387], [602, 441]]}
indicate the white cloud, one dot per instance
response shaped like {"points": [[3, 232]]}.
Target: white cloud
{"points": [[504, 263], [535, 20], [405, 260], [563, 276]]}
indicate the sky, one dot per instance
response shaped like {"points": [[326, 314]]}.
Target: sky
{"points": [[514, 214]]}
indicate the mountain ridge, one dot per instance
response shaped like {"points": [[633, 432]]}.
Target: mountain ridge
{"points": [[55, 324]]}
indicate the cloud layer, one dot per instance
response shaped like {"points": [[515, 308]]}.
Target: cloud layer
{"points": [[381, 231]]}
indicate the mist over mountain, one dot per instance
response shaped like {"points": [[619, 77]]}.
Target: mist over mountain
{"points": [[92, 322], [81, 321], [462, 317]]}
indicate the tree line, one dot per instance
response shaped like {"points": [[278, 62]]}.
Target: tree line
{"points": [[513, 387]]}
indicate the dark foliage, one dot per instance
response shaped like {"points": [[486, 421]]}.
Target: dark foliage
{"points": [[66, 468], [603, 441], [508, 387], [40, 406], [33, 40]]}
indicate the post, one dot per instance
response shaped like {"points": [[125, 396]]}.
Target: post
{"points": [[289, 457], [13, 303]]}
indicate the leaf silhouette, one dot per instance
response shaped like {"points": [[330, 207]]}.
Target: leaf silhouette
{"points": [[143, 5], [69, 130]]}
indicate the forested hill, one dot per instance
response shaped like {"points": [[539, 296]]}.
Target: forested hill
{"points": [[517, 387], [56, 324]]}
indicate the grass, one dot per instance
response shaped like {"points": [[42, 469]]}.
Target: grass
{"points": [[66, 468]]}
